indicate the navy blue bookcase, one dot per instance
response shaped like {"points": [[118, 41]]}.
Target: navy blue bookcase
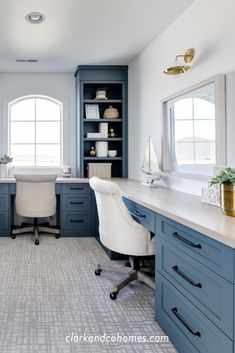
{"points": [[88, 80]]}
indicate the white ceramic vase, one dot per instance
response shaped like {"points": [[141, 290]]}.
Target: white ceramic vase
{"points": [[101, 148], [3, 170]]}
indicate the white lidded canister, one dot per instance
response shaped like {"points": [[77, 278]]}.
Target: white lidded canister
{"points": [[101, 148]]}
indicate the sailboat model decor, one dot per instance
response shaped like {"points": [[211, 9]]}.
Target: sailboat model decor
{"points": [[150, 165]]}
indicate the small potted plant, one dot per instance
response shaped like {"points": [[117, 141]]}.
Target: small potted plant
{"points": [[4, 161], [226, 179]]}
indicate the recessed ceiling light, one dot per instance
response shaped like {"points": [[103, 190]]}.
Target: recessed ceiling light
{"points": [[35, 17]]}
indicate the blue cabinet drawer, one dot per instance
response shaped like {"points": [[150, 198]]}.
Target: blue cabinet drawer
{"points": [[4, 203], [4, 222], [76, 203], [141, 214], [3, 189], [76, 220], [212, 294], [74, 189], [187, 327], [214, 255]]}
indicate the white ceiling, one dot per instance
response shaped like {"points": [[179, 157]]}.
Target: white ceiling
{"points": [[81, 32]]}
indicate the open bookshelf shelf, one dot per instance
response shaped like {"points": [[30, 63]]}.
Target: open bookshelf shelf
{"points": [[109, 101], [102, 120], [103, 159], [110, 139]]}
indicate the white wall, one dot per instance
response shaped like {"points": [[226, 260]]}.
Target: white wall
{"points": [[207, 26], [60, 86]]}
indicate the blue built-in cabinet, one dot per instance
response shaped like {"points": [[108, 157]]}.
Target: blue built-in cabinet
{"points": [[5, 214], [115, 80], [76, 209], [77, 206], [194, 289]]}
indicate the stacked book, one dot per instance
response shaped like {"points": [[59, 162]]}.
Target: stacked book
{"points": [[103, 132]]}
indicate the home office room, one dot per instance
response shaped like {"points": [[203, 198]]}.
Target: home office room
{"points": [[117, 176]]}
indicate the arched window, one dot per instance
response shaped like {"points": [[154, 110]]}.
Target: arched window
{"points": [[35, 136]]}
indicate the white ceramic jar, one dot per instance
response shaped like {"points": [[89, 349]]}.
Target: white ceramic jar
{"points": [[101, 148]]}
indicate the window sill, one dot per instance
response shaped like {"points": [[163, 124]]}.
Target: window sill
{"points": [[27, 169], [189, 176]]}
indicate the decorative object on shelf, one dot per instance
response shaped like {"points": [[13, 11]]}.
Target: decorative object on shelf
{"points": [[102, 170], [92, 111], [103, 129], [66, 175], [92, 151], [94, 135], [101, 148], [112, 133], [211, 195], [66, 171], [150, 165], [111, 113], [101, 93], [179, 66], [226, 179], [4, 164], [112, 153]]}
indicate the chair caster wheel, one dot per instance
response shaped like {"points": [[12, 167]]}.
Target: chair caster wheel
{"points": [[13, 236], [36, 242], [98, 271], [57, 236], [113, 295]]}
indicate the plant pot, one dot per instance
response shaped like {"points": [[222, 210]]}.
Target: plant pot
{"points": [[227, 197], [3, 170]]}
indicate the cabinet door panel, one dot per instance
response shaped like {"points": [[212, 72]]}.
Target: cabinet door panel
{"points": [[76, 203], [188, 328], [211, 253]]}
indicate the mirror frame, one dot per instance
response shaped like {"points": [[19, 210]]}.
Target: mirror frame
{"points": [[220, 118]]}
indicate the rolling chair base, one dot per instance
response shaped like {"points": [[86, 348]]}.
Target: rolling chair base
{"points": [[132, 275], [36, 229]]}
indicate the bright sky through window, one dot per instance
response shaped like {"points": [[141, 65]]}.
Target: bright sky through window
{"points": [[35, 132], [194, 131]]}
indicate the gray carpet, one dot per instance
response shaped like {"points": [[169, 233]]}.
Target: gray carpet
{"points": [[48, 292]]}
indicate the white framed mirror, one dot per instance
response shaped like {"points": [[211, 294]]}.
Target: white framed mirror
{"points": [[194, 129]]}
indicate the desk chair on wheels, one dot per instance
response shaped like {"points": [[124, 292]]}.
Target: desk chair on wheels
{"points": [[35, 198], [120, 233]]}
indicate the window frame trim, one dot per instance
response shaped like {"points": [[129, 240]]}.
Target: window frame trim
{"points": [[220, 122], [54, 95], [9, 122]]}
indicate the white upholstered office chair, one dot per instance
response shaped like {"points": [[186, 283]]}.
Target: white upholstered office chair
{"points": [[120, 233], [35, 198]]}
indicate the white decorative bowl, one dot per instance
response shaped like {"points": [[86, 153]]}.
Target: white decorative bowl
{"points": [[112, 153]]}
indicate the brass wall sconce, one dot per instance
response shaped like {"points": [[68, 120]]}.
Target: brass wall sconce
{"points": [[179, 66]]}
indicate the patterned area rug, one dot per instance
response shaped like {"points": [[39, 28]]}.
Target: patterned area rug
{"points": [[51, 299]]}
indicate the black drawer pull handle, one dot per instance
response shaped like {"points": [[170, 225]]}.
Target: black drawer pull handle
{"points": [[76, 220], [71, 188], [184, 276], [186, 325], [186, 241], [76, 203], [138, 214]]}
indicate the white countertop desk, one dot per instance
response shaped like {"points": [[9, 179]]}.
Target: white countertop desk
{"points": [[183, 208]]}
